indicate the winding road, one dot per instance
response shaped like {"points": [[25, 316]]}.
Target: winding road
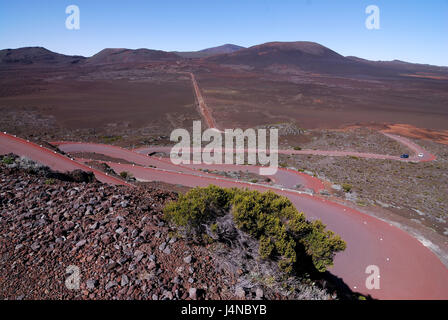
{"points": [[408, 270], [52, 159]]}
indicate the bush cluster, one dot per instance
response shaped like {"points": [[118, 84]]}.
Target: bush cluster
{"points": [[124, 174], [284, 234], [7, 160], [199, 207]]}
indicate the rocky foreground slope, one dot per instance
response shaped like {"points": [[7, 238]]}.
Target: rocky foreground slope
{"points": [[117, 238]]}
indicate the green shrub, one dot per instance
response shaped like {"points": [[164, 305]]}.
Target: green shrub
{"points": [[126, 175], [346, 187], [50, 181], [297, 148], [270, 215], [7, 160], [266, 247], [283, 232], [111, 139], [197, 207], [214, 227], [321, 244]]}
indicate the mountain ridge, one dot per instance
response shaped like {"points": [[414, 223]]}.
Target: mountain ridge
{"points": [[302, 55], [123, 55], [315, 58], [225, 48], [36, 55]]}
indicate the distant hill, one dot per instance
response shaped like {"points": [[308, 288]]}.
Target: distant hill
{"points": [[402, 65], [36, 56], [315, 58], [227, 48], [306, 54], [113, 56], [296, 56]]}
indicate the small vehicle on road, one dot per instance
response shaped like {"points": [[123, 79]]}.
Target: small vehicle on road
{"points": [[420, 155], [404, 156]]}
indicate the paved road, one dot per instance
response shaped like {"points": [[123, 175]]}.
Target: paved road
{"points": [[408, 270], [287, 178], [56, 161], [405, 264], [416, 149]]}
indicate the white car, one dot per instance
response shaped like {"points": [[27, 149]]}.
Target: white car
{"points": [[420, 155]]}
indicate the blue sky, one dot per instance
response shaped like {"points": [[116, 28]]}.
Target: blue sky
{"points": [[411, 30]]}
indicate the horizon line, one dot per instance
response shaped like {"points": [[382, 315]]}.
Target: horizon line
{"points": [[242, 47]]}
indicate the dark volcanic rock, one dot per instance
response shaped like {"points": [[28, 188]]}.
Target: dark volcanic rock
{"points": [[48, 227]]}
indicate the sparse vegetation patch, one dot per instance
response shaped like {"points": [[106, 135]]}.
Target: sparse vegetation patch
{"points": [[283, 233]]}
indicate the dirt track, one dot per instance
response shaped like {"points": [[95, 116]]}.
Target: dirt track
{"points": [[205, 111]]}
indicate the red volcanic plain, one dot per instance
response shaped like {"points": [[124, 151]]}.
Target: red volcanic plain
{"points": [[122, 95]]}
